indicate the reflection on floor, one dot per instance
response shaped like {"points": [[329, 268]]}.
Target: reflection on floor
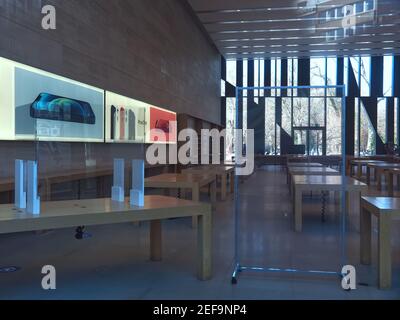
{"points": [[113, 263]]}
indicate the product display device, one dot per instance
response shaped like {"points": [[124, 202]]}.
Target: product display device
{"points": [[162, 125], [113, 122], [132, 125], [122, 124], [51, 107]]}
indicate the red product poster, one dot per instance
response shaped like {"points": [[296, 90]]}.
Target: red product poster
{"points": [[162, 125]]}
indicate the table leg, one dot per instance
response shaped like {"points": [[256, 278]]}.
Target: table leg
{"points": [[365, 236], [297, 209], [384, 252], [204, 246], [196, 198], [379, 179], [155, 240], [223, 187], [368, 175], [389, 178], [213, 191], [232, 181], [359, 171]]}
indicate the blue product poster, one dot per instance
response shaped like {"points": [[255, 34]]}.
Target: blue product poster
{"points": [[57, 110]]}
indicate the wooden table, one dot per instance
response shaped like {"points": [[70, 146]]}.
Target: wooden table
{"points": [[385, 209], [312, 183], [310, 171], [183, 181], [360, 164], [305, 164], [74, 213], [222, 172], [379, 170]]}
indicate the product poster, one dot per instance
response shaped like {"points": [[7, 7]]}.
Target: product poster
{"points": [[162, 126], [39, 105], [125, 119]]}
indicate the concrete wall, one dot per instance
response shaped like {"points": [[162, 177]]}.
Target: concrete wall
{"points": [[148, 50]]}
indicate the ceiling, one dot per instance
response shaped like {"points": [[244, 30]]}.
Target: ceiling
{"points": [[300, 28]]}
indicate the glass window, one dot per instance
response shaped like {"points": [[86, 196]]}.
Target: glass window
{"points": [[273, 76], [245, 82], [230, 126], [368, 5], [388, 76], [355, 63], [287, 115], [331, 75], [346, 74], [367, 133], [359, 7], [317, 75], [382, 119], [365, 70], [269, 126], [317, 112], [231, 72], [222, 88], [278, 76], [262, 76], [256, 76], [334, 126], [300, 112]]}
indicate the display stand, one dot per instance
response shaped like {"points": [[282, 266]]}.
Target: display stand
{"points": [[20, 184], [137, 191], [118, 188], [239, 266], [32, 198]]}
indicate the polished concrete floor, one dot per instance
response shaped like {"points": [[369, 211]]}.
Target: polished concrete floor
{"points": [[114, 263]]}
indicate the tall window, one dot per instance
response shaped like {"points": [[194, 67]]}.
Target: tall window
{"points": [[231, 72], [388, 76]]}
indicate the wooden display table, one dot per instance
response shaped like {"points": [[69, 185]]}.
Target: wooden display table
{"points": [[222, 172], [384, 208], [183, 181], [312, 183], [379, 170], [68, 214], [360, 163], [310, 171], [305, 164]]}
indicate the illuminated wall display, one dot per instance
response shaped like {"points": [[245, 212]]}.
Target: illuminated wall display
{"points": [[162, 126], [35, 104], [125, 119]]}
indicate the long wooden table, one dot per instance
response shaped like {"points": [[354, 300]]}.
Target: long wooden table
{"points": [[184, 181], [222, 172], [310, 171], [48, 179], [360, 163], [385, 209], [379, 170], [311, 183], [74, 213]]}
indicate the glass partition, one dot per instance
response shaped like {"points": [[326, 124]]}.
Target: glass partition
{"points": [[304, 220]]}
